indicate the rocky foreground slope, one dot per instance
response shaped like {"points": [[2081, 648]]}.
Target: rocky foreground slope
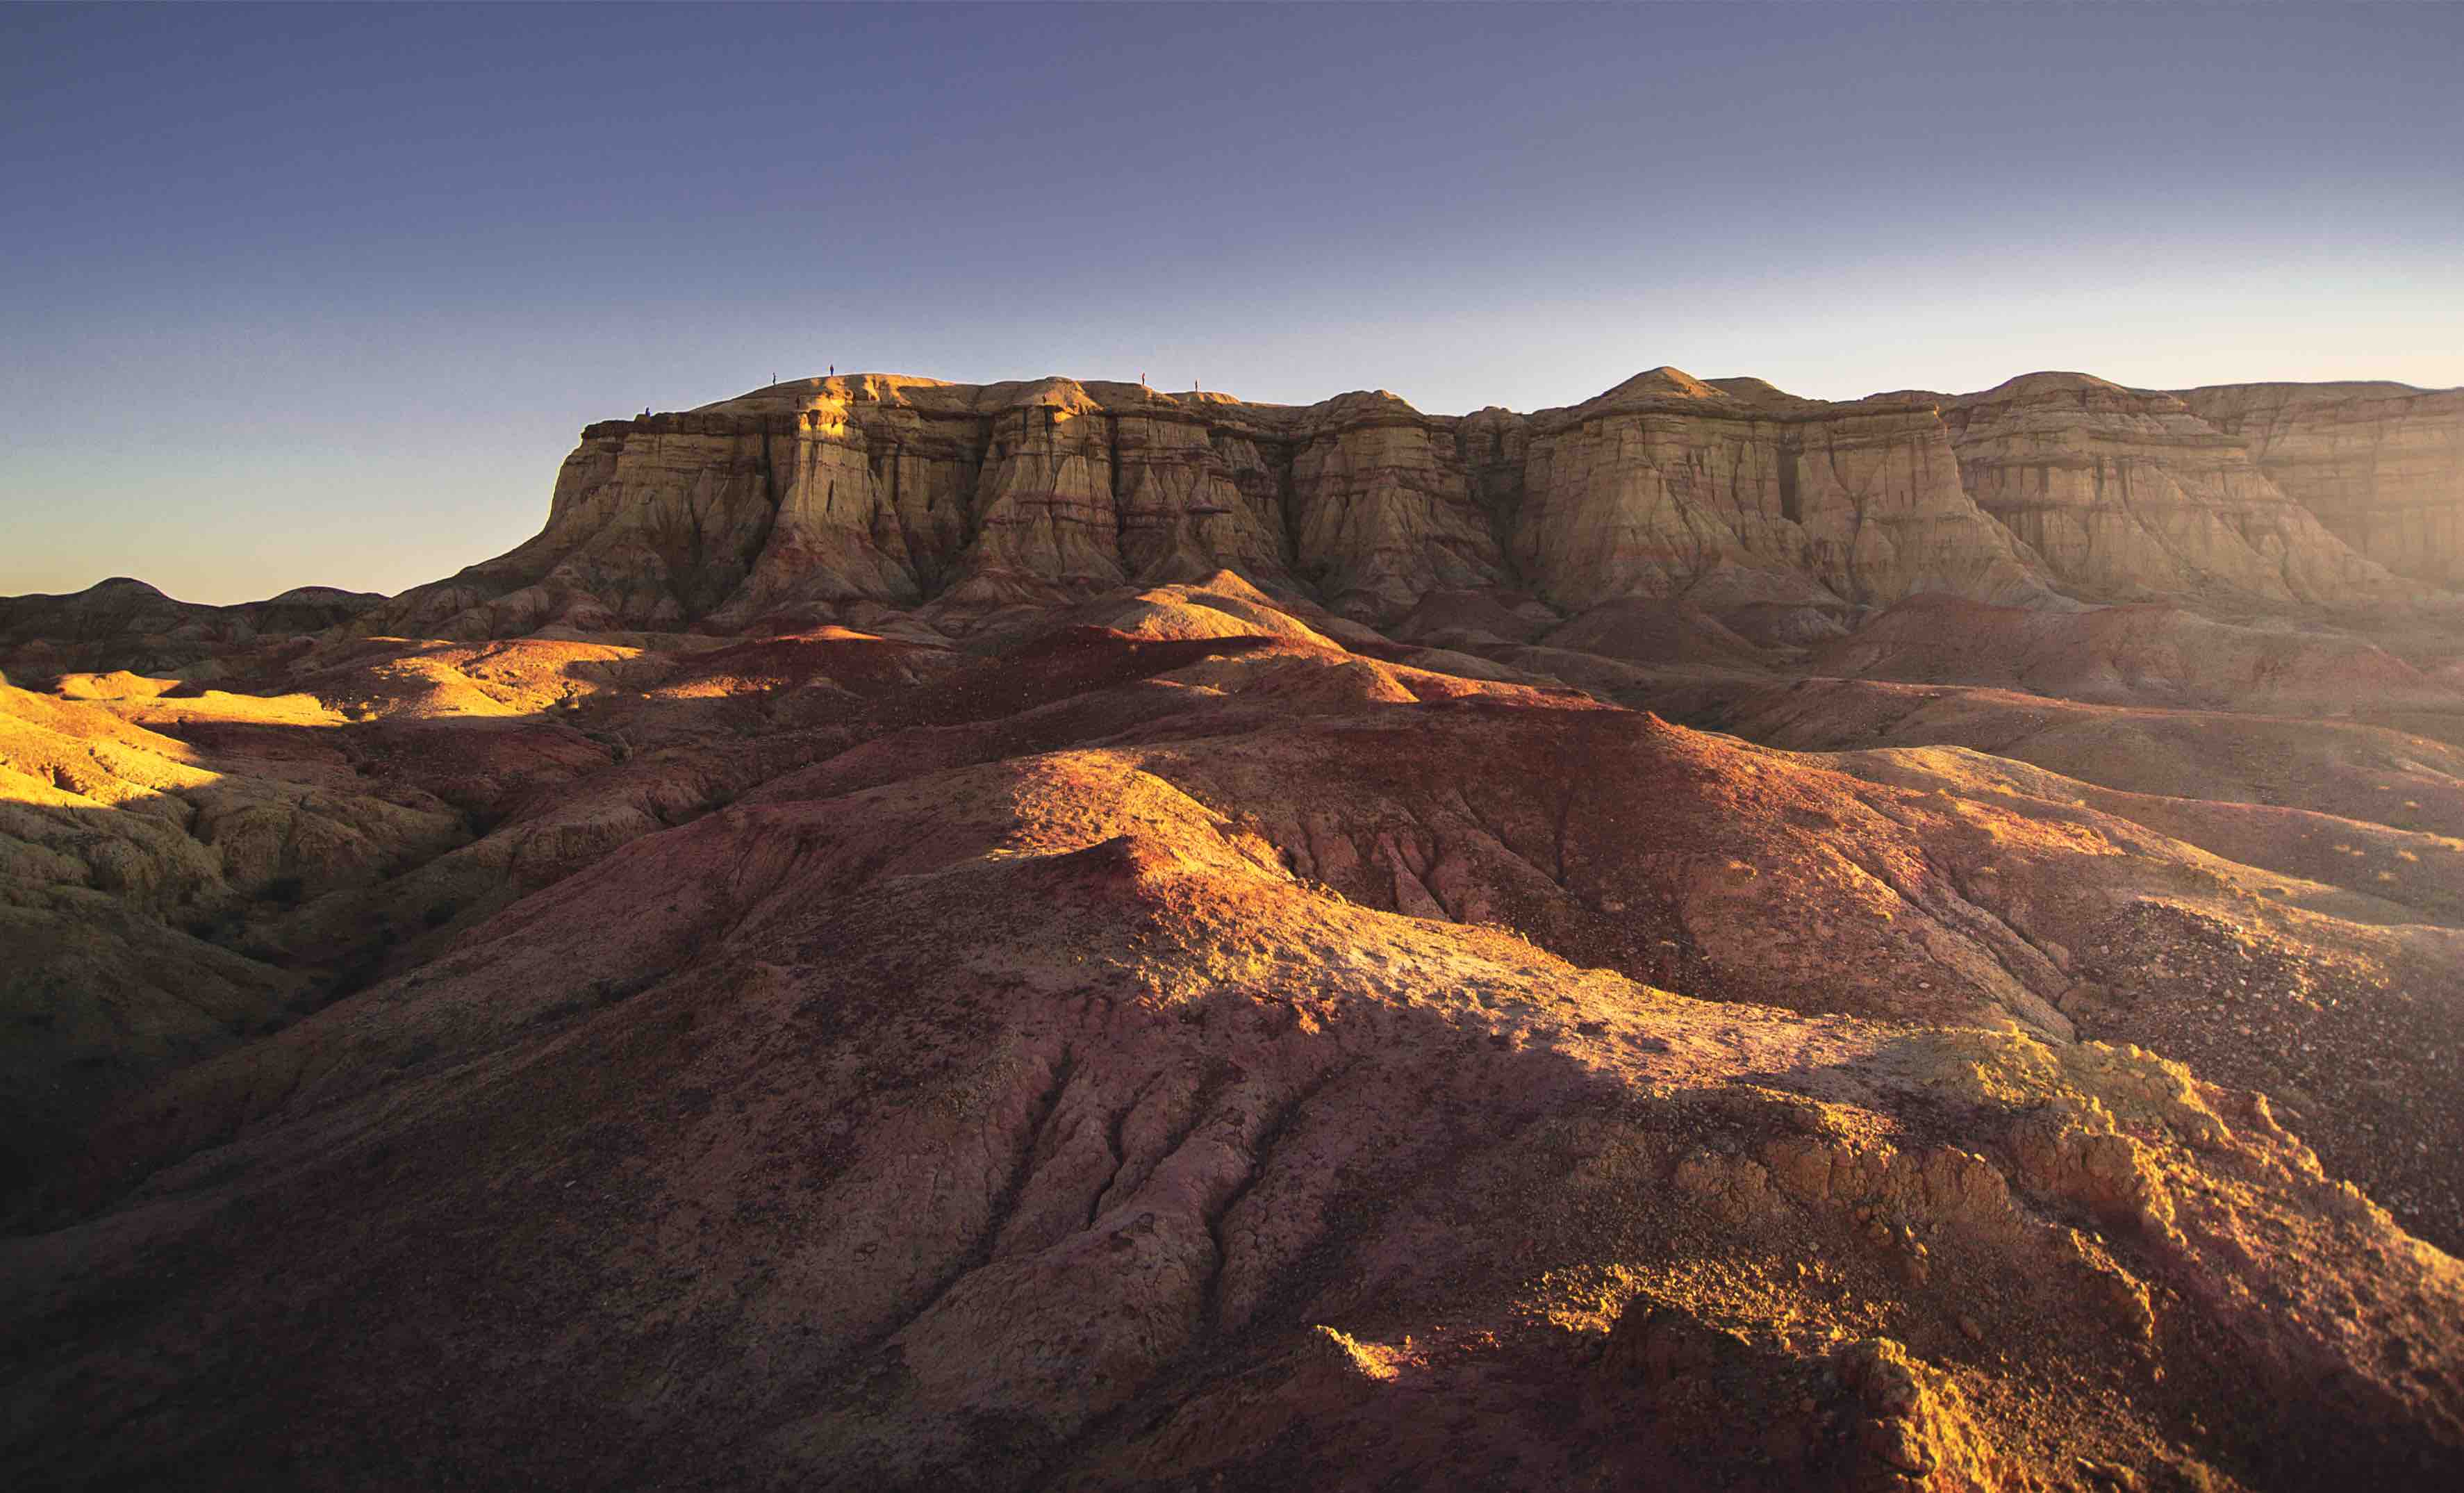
{"points": [[1675, 943]]}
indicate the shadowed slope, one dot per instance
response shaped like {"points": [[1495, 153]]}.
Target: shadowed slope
{"points": [[2151, 656]]}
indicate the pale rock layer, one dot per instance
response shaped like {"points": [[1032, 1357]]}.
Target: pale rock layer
{"points": [[2126, 492], [2381, 464], [1382, 509], [1667, 486], [843, 499]]}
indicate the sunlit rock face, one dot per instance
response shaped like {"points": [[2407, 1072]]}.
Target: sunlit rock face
{"points": [[1382, 509], [2381, 464], [1739, 493], [891, 490], [652, 524], [1197, 491], [797, 502], [1088, 487], [862, 514], [2128, 492], [1046, 526]]}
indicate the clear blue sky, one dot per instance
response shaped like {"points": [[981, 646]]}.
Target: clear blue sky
{"points": [[322, 294]]}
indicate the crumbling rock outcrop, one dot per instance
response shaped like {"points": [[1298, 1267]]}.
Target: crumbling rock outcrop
{"points": [[807, 497], [2125, 492], [1667, 486], [830, 499], [845, 499], [1865, 1417], [2380, 464]]}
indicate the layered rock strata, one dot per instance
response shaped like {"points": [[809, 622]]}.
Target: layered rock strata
{"points": [[840, 497], [895, 492], [2126, 492], [1737, 494], [900, 492], [2381, 464]]}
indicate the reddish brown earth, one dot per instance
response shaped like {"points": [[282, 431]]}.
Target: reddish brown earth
{"points": [[1179, 1036]]}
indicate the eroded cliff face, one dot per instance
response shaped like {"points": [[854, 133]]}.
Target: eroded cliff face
{"points": [[2381, 465], [1384, 510], [822, 494], [2126, 492], [833, 498], [1738, 493], [1086, 487], [653, 523]]}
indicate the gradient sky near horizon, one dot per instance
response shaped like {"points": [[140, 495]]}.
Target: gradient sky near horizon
{"points": [[323, 294]]}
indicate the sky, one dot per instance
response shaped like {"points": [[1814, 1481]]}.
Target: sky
{"points": [[314, 295]]}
